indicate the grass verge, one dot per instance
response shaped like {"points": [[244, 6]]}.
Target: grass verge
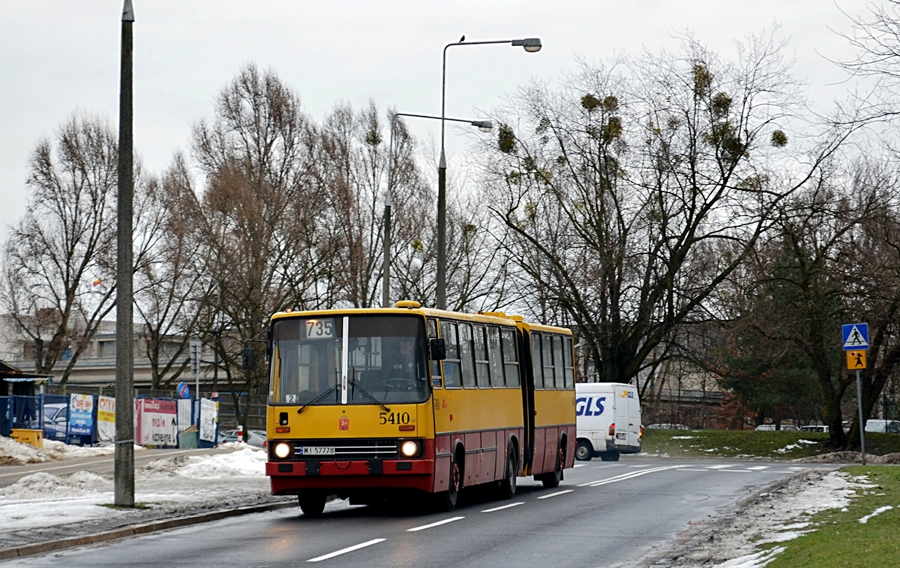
{"points": [[777, 445], [840, 539]]}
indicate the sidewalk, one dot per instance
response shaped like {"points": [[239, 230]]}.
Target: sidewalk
{"points": [[185, 488]]}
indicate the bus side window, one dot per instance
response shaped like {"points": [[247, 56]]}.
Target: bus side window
{"points": [[495, 357], [482, 372], [536, 360], [510, 357], [567, 361], [547, 353], [558, 361], [434, 366], [465, 355], [452, 375]]}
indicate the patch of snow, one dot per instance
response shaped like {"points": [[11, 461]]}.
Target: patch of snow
{"points": [[42, 500], [755, 560], [14, 453], [877, 511], [777, 516], [682, 437], [788, 448]]}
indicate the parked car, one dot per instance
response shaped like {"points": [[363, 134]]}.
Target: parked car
{"points": [[669, 427], [56, 417], [814, 428], [254, 437], [883, 426], [784, 427]]}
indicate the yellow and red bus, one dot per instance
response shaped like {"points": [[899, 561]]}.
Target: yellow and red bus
{"points": [[367, 403]]}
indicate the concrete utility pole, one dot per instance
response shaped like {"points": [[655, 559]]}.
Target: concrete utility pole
{"points": [[124, 460]]}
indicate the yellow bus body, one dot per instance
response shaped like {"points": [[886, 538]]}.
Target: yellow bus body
{"points": [[476, 426]]}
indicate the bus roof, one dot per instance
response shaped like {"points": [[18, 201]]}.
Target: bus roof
{"points": [[412, 308]]}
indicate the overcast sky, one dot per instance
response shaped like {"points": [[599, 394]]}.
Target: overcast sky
{"points": [[57, 57]]}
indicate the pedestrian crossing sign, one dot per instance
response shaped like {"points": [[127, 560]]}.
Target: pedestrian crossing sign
{"points": [[856, 360], [856, 336]]}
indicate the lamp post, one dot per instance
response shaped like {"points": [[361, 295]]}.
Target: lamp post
{"points": [[483, 125], [531, 45], [124, 452]]}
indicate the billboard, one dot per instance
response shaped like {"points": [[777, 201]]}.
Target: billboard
{"points": [[81, 414], [157, 422]]}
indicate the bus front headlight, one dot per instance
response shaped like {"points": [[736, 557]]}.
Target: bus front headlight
{"points": [[282, 450], [409, 449]]}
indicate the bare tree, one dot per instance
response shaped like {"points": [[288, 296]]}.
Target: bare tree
{"points": [[65, 242], [622, 189], [262, 212], [172, 285]]}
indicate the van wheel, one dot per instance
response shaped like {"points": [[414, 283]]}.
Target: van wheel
{"points": [[609, 456], [507, 488], [551, 480], [584, 451], [312, 504]]}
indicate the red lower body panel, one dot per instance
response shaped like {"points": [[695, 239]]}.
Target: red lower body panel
{"points": [[291, 477]]}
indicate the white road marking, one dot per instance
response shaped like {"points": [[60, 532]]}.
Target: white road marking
{"points": [[437, 524], [503, 507], [640, 466], [719, 466], [702, 470], [579, 465], [759, 467], [626, 476], [798, 468], [555, 494], [736, 470], [346, 550]]}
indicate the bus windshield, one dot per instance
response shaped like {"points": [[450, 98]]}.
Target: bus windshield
{"points": [[384, 363]]}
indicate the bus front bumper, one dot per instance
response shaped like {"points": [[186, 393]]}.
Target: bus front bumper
{"points": [[289, 477]]}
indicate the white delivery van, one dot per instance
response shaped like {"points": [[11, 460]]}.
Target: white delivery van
{"points": [[608, 418]]}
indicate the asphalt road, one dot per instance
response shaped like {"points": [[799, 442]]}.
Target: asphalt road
{"points": [[602, 514]]}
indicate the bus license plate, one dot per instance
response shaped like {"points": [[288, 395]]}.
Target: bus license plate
{"points": [[316, 451]]}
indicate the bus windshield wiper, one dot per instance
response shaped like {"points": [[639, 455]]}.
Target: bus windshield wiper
{"points": [[317, 399], [355, 385]]}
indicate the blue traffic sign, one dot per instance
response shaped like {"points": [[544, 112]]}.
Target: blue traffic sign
{"points": [[184, 390], [855, 336]]}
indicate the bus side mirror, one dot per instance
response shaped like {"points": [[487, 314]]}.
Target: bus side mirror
{"points": [[248, 359], [438, 349]]}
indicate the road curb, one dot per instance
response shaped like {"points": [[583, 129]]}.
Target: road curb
{"points": [[145, 528]]}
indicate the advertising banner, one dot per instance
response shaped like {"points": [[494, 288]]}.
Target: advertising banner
{"points": [[208, 417], [81, 414], [106, 419], [157, 422]]}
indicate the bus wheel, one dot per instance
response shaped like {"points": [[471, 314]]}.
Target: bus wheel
{"points": [[312, 504], [584, 451], [446, 500], [508, 483], [552, 479]]}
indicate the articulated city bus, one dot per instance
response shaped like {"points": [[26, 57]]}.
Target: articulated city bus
{"points": [[365, 404]]}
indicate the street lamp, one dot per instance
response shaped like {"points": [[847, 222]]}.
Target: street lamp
{"points": [[531, 45], [482, 125]]}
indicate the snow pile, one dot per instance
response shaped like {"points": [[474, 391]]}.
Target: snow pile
{"points": [[45, 485], [14, 453], [174, 485], [246, 462]]}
